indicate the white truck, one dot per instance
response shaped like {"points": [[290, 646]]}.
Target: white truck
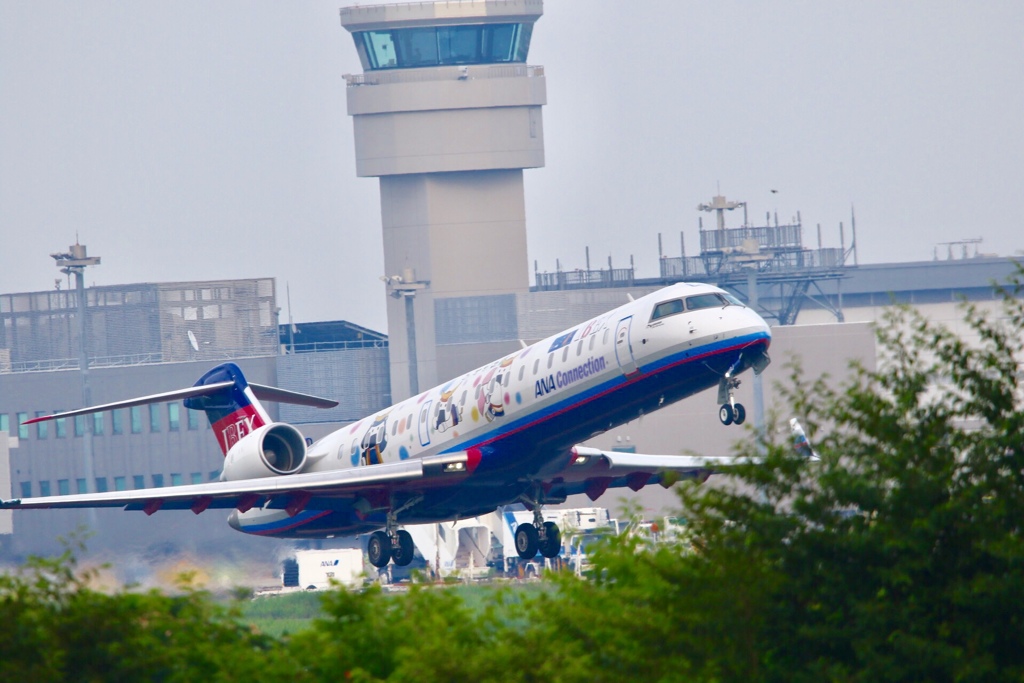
{"points": [[315, 569]]}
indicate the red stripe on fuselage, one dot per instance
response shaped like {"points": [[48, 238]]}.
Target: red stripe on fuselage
{"points": [[232, 428]]}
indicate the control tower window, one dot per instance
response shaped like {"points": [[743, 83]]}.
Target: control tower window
{"points": [[409, 48]]}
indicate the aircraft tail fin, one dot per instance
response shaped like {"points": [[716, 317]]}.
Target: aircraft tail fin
{"points": [[230, 404], [233, 406], [800, 442]]}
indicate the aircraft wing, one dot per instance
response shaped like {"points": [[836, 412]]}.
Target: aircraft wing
{"points": [[593, 471], [292, 492]]}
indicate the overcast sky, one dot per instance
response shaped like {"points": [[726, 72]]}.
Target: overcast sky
{"points": [[193, 140]]}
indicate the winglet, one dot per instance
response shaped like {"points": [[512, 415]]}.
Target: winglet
{"points": [[800, 442]]}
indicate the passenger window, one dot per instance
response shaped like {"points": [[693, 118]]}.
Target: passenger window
{"points": [[696, 303], [536, 366], [522, 371], [667, 308], [551, 359], [579, 347], [607, 331], [394, 427], [408, 423], [593, 338], [508, 376]]}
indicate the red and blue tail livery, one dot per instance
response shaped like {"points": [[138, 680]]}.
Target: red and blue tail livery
{"points": [[233, 410]]}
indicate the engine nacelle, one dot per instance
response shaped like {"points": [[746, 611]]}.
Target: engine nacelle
{"points": [[270, 451]]}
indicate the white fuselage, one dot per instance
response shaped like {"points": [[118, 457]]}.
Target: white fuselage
{"points": [[539, 393]]}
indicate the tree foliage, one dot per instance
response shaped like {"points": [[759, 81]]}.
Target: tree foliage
{"points": [[898, 557]]}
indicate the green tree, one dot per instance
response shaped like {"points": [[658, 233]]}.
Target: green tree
{"points": [[899, 557], [55, 627]]}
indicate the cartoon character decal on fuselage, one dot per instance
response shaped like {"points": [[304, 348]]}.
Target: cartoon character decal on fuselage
{"points": [[375, 441], [447, 414], [496, 391]]}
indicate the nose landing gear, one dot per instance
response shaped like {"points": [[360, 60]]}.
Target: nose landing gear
{"points": [[730, 411]]}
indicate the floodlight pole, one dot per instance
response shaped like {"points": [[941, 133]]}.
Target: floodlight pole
{"points": [[406, 286], [74, 262]]}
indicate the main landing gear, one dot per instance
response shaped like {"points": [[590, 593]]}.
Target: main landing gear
{"points": [[730, 411], [392, 543], [540, 536]]}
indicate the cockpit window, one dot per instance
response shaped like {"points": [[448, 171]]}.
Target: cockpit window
{"points": [[667, 308], [695, 303], [733, 300]]}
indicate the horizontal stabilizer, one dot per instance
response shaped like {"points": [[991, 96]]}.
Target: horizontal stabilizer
{"points": [[265, 393], [261, 391], [140, 401]]}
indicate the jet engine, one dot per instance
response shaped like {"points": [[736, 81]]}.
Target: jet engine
{"points": [[269, 451]]}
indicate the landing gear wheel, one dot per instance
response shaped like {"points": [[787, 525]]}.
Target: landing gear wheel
{"points": [[527, 541], [552, 543], [379, 549], [402, 553], [725, 414], [740, 414]]}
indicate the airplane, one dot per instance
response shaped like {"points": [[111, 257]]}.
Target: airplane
{"points": [[504, 433]]}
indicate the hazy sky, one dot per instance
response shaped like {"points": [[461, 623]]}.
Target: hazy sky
{"points": [[194, 140]]}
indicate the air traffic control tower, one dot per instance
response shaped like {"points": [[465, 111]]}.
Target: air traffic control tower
{"points": [[448, 114]]}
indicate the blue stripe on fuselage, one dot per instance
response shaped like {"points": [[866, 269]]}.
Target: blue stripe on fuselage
{"points": [[577, 400]]}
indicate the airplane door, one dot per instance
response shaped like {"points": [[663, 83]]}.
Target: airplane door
{"points": [[623, 349], [424, 423]]}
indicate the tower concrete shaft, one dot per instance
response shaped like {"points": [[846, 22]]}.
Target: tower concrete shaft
{"points": [[447, 114]]}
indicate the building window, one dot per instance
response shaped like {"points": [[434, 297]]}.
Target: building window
{"points": [[41, 427], [26, 489], [5, 423], [44, 488], [158, 481], [215, 475], [97, 423], [120, 484], [117, 422], [79, 425], [60, 427], [197, 477], [136, 419], [193, 419], [459, 320], [63, 487], [173, 416], [138, 481], [101, 485], [80, 486], [22, 428], [154, 417], [176, 479]]}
